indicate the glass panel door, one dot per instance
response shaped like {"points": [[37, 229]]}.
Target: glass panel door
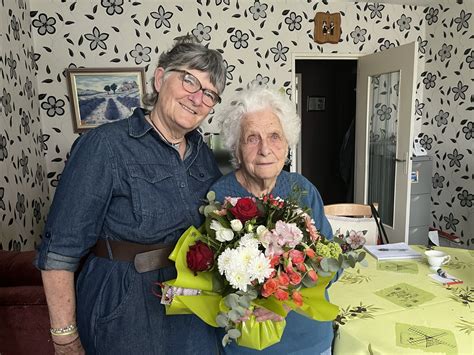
{"points": [[383, 128]]}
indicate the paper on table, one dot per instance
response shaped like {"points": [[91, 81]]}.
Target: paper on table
{"points": [[392, 251]]}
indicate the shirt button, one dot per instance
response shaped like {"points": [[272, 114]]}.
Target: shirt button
{"points": [[201, 174], [182, 185]]}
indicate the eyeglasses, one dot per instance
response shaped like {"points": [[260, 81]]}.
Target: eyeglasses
{"points": [[192, 85]]}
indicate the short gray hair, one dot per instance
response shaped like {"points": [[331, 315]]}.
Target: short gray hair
{"points": [[251, 100], [187, 52]]}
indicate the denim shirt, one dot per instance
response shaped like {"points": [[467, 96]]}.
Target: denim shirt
{"points": [[123, 182]]}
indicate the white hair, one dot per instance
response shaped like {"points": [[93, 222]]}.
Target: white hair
{"points": [[251, 100]]}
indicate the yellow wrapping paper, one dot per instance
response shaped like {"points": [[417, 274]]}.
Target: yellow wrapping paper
{"points": [[207, 305], [260, 335]]}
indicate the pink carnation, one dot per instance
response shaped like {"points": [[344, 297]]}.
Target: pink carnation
{"points": [[287, 234]]}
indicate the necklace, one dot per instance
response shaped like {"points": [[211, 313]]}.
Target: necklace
{"points": [[174, 145]]}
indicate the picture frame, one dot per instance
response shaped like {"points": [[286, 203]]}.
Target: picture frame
{"points": [[316, 103], [102, 95]]}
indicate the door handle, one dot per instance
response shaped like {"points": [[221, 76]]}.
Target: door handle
{"points": [[400, 160]]}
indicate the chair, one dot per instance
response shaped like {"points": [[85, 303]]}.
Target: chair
{"points": [[347, 217]]}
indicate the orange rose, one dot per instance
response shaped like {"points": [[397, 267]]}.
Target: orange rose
{"points": [[297, 298], [275, 261], [283, 279], [269, 287], [301, 267], [295, 278], [310, 253], [297, 257], [313, 275], [281, 295]]}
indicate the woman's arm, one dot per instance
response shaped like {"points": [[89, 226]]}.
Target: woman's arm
{"points": [[60, 296]]}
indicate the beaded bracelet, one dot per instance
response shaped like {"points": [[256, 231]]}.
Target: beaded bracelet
{"points": [[67, 330]]}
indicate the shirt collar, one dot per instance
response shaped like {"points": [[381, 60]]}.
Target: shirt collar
{"points": [[138, 126]]}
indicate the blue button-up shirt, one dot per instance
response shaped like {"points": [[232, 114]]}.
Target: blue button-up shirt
{"points": [[123, 182]]}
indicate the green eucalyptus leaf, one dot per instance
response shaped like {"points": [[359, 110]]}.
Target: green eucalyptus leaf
{"points": [[234, 333], [333, 264], [240, 310], [201, 209], [324, 264], [307, 282], [345, 264], [234, 315], [211, 196], [225, 340], [361, 256], [364, 263], [252, 293], [231, 300], [208, 209], [245, 301], [222, 320]]}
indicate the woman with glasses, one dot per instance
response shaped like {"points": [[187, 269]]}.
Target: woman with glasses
{"points": [[128, 191], [258, 127]]}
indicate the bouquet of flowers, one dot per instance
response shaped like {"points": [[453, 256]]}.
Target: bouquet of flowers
{"points": [[263, 252]]}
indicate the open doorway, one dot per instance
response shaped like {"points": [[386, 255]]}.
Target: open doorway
{"points": [[328, 110]]}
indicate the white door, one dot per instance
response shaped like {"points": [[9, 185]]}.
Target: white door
{"points": [[384, 129]]}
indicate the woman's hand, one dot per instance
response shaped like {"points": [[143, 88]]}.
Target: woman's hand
{"points": [[73, 347]]}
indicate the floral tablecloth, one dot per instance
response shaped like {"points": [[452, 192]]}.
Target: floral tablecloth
{"points": [[394, 307]]}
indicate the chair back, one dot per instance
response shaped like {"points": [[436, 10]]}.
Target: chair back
{"points": [[348, 210], [353, 217]]}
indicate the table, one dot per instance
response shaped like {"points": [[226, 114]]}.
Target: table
{"points": [[394, 307]]}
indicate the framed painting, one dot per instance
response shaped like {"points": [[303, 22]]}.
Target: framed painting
{"points": [[102, 95]]}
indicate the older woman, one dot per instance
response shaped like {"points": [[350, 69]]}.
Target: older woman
{"points": [[128, 191], [258, 127]]}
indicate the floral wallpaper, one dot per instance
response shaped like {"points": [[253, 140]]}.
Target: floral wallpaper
{"points": [[257, 39], [446, 114], [23, 184]]}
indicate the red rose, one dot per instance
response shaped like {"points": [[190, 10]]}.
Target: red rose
{"points": [[200, 257], [245, 209]]}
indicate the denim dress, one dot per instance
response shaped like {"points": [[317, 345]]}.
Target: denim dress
{"points": [[123, 182], [302, 335]]}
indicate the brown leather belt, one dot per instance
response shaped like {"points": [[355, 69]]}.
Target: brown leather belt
{"points": [[145, 257]]}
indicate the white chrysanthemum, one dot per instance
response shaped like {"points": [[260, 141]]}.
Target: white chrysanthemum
{"points": [[236, 225], [261, 268], [245, 255], [249, 240], [238, 278], [225, 260]]}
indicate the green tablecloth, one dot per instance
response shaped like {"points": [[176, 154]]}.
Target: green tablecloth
{"points": [[394, 307]]}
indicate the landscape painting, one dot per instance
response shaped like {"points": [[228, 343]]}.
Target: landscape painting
{"points": [[102, 95]]}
